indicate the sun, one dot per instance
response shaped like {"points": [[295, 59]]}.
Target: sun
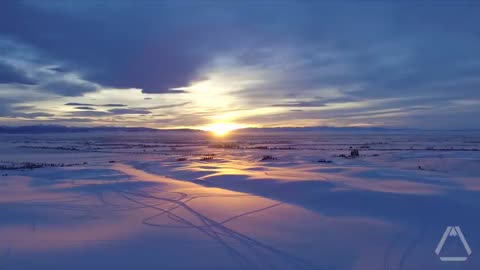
{"points": [[222, 129]]}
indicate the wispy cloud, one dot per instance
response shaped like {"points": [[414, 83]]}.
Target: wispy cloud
{"points": [[85, 108], [93, 105], [129, 111]]}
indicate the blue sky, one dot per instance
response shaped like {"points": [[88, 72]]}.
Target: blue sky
{"points": [[171, 64]]}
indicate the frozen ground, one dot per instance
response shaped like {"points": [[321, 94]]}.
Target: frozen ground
{"points": [[181, 201]]}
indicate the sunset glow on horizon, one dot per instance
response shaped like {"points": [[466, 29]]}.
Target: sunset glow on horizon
{"points": [[222, 129]]}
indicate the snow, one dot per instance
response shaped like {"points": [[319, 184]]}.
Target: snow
{"points": [[130, 203]]}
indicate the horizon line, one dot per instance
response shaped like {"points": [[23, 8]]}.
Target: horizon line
{"points": [[385, 128]]}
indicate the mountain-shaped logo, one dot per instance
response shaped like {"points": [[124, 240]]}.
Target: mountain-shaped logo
{"points": [[456, 233]]}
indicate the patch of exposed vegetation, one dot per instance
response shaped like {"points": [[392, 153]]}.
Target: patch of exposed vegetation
{"points": [[207, 157], [9, 165], [257, 147], [227, 145], [268, 157], [354, 153], [63, 148]]}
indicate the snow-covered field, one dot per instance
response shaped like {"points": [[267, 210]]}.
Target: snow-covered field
{"points": [[247, 201]]}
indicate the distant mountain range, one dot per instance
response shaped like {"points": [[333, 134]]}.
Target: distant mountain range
{"points": [[352, 129], [36, 129], [326, 129]]}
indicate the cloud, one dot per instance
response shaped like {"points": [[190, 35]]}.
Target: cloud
{"points": [[301, 104], [58, 69], [78, 104], [129, 111], [170, 91], [10, 74], [85, 108], [89, 113], [69, 88], [112, 105], [90, 104], [8, 110], [33, 115], [23, 64], [66, 121], [21, 108], [165, 106], [110, 112], [155, 60]]}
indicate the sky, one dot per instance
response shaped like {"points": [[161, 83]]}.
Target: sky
{"points": [[177, 64]]}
